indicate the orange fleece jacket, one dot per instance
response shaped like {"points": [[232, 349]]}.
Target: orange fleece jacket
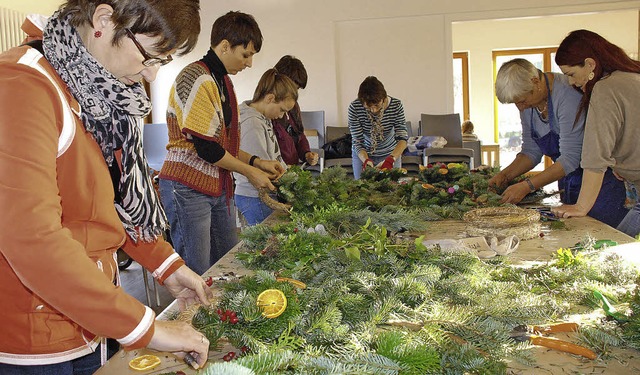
{"points": [[59, 231]]}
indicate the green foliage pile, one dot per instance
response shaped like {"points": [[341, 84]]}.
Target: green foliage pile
{"points": [[380, 302], [377, 301], [437, 185]]}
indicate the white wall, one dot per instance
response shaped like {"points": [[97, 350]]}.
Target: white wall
{"points": [[480, 38], [356, 59], [412, 41]]}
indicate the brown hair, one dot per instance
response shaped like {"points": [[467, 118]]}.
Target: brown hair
{"points": [[467, 127], [292, 68], [177, 22], [275, 83], [238, 29], [371, 91], [581, 44]]}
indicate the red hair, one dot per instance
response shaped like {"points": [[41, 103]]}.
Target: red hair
{"points": [[582, 44]]}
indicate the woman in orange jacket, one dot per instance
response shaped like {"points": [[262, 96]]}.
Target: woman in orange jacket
{"points": [[70, 109]]}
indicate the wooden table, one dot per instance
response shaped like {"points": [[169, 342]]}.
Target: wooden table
{"points": [[539, 249]]}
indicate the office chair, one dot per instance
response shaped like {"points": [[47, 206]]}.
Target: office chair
{"points": [[314, 120], [154, 142], [447, 126], [332, 133], [411, 162]]}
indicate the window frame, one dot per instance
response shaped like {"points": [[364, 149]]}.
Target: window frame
{"points": [[464, 57]]}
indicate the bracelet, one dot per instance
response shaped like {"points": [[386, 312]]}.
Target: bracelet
{"points": [[253, 160], [531, 187]]}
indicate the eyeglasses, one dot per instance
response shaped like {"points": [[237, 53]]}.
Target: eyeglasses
{"points": [[148, 59]]}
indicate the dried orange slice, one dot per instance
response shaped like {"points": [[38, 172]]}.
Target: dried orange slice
{"points": [[294, 282], [272, 302], [427, 186], [144, 362]]}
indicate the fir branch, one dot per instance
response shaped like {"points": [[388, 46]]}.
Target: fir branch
{"points": [[226, 368], [601, 337]]}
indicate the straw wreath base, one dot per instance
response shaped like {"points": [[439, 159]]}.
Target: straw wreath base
{"points": [[503, 221]]}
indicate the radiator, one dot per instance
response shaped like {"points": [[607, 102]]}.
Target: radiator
{"points": [[10, 33]]}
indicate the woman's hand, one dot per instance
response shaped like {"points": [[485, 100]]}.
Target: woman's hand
{"points": [[569, 210], [259, 179], [179, 338], [367, 163], [272, 168], [499, 181], [311, 157], [515, 193], [387, 163], [188, 288]]}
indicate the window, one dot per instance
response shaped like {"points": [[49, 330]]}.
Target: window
{"points": [[461, 84], [508, 128]]}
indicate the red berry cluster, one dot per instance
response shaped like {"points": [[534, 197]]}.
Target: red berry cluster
{"points": [[229, 356], [228, 315], [209, 281]]}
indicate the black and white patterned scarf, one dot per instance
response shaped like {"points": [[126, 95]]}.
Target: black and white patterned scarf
{"points": [[377, 129], [112, 112]]}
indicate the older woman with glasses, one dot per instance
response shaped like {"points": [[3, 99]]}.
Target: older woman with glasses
{"points": [[550, 126], [75, 187], [378, 128]]}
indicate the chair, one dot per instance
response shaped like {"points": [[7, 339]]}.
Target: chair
{"points": [[411, 163], [447, 126], [410, 131], [491, 155], [316, 169], [314, 120], [476, 146], [154, 142], [332, 133]]}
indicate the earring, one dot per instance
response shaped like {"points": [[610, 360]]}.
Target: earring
{"points": [[590, 76], [97, 34]]}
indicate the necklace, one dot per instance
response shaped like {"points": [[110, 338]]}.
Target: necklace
{"points": [[544, 107], [220, 88], [542, 113]]}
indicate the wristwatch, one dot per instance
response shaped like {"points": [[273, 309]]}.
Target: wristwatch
{"points": [[531, 187]]}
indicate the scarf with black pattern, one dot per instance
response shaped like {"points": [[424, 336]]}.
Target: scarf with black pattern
{"points": [[112, 112]]}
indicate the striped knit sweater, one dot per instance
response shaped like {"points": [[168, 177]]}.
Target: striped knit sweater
{"points": [[195, 108], [393, 123]]}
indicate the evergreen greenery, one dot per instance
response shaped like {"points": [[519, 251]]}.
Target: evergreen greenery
{"points": [[377, 301], [402, 308]]}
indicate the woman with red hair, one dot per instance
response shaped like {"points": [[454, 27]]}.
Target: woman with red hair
{"points": [[610, 83]]}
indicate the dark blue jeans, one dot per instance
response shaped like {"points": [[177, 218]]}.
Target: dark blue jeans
{"points": [[609, 206], [631, 223], [86, 365], [252, 208], [203, 228]]}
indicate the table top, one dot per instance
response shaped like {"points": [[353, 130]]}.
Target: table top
{"points": [[540, 249]]}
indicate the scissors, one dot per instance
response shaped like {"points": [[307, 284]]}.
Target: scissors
{"points": [[546, 214]]}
